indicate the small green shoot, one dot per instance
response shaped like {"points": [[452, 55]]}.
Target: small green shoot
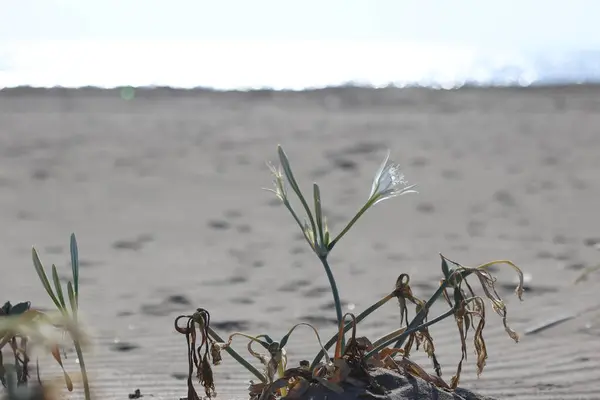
{"points": [[58, 298]]}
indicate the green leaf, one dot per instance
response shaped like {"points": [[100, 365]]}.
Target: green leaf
{"points": [[319, 214], [75, 264], [287, 169], [72, 299], [43, 278], [58, 288], [267, 338], [286, 338], [445, 268]]}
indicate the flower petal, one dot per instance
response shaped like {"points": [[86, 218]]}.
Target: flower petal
{"points": [[394, 192], [377, 179]]}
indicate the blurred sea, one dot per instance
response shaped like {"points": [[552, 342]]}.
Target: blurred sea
{"points": [[295, 65]]}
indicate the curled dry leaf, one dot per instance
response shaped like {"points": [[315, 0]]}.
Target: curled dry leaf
{"points": [[403, 292], [215, 351], [206, 377], [56, 354], [199, 357], [462, 325], [478, 341], [487, 284], [264, 359], [340, 339], [425, 338]]}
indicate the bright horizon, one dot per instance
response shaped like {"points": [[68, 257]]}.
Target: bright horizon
{"points": [[283, 44], [505, 24]]}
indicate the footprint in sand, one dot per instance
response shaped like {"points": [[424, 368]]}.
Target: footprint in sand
{"points": [[133, 244], [169, 305]]}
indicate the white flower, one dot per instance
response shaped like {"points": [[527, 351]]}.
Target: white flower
{"points": [[389, 182], [278, 182]]}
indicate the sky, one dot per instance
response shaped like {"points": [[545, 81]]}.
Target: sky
{"points": [[479, 23]]}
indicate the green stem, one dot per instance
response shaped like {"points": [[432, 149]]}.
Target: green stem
{"points": [[350, 224], [237, 357], [348, 326], [334, 291], [84, 376], [408, 332]]}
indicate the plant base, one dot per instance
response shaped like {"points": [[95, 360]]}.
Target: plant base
{"points": [[397, 387]]}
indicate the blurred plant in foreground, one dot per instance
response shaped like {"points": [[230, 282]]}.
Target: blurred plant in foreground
{"points": [[20, 325], [352, 362], [23, 328]]}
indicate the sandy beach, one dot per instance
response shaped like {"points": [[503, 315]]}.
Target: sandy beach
{"points": [[164, 194]]}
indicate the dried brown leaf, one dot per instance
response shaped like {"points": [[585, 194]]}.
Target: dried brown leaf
{"points": [[388, 337], [402, 293], [56, 354], [460, 321], [409, 344], [342, 370], [414, 369], [487, 284], [206, 378], [255, 389], [338, 344], [264, 360], [298, 389], [269, 390], [479, 342], [390, 352]]}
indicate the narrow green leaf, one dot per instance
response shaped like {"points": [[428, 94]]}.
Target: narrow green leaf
{"points": [[75, 264], [445, 268], [267, 338], [285, 339], [59, 292], [72, 299], [287, 169], [43, 278], [319, 214]]}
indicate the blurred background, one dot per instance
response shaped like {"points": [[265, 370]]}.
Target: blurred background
{"points": [[144, 127], [188, 43]]}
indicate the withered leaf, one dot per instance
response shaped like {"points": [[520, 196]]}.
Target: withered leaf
{"points": [[56, 354], [299, 387]]}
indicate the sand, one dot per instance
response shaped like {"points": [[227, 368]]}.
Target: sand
{"points": [[164, 195]]}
